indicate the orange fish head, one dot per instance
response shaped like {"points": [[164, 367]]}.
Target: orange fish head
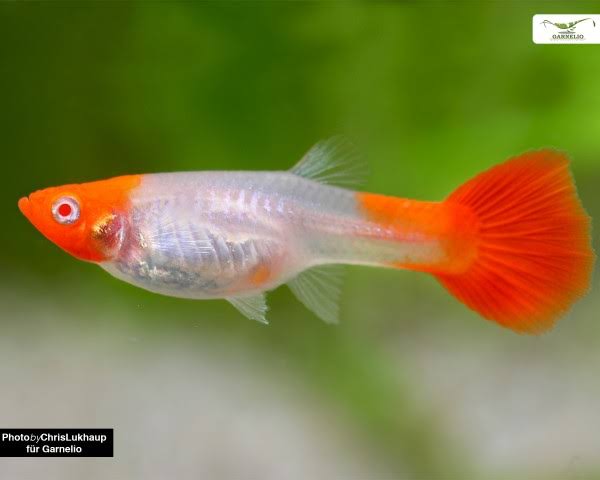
{"points": [[87, 220]]}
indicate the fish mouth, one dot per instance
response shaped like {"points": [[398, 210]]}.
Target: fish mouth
{"points": [[25, 207]]}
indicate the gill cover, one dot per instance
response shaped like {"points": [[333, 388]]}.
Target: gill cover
{"points": [[87, 220]]}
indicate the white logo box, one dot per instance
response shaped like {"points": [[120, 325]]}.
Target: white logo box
{"points": [[566, 28]]}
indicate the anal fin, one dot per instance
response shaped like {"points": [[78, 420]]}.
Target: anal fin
{"points": [[319, 289]]}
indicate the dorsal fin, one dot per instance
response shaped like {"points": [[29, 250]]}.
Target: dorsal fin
{"points": [[319, 289], [332, 162], [254, 307]]}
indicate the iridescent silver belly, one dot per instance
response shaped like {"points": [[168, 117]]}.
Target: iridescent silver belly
{"points": [[201, 256]]}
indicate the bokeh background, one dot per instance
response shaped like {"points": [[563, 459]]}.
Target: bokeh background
{"points": [[411, 384]]}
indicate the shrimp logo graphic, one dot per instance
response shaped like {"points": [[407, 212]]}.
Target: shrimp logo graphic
{"points": [[566, 29]]}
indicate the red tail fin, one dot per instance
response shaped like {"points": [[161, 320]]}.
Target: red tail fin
{"points": [[534, 257]]}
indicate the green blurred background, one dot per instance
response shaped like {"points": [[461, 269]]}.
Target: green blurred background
{"points": [[411, 384]]}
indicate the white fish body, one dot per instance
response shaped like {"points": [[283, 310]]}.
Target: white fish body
{"points": [[237, 234]]}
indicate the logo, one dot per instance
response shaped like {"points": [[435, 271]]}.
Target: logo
{"points": [[566, 29]]}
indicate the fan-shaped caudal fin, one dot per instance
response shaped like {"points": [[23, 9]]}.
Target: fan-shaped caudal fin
{"points": [[533, 257]]}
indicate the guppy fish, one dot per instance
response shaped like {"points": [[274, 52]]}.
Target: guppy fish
{"points": [[513, 243]]}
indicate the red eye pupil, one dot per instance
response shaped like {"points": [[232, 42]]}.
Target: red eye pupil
{"points": [[64, 210]]}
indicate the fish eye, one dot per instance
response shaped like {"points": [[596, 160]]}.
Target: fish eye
{"points": [[65, 210]]}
